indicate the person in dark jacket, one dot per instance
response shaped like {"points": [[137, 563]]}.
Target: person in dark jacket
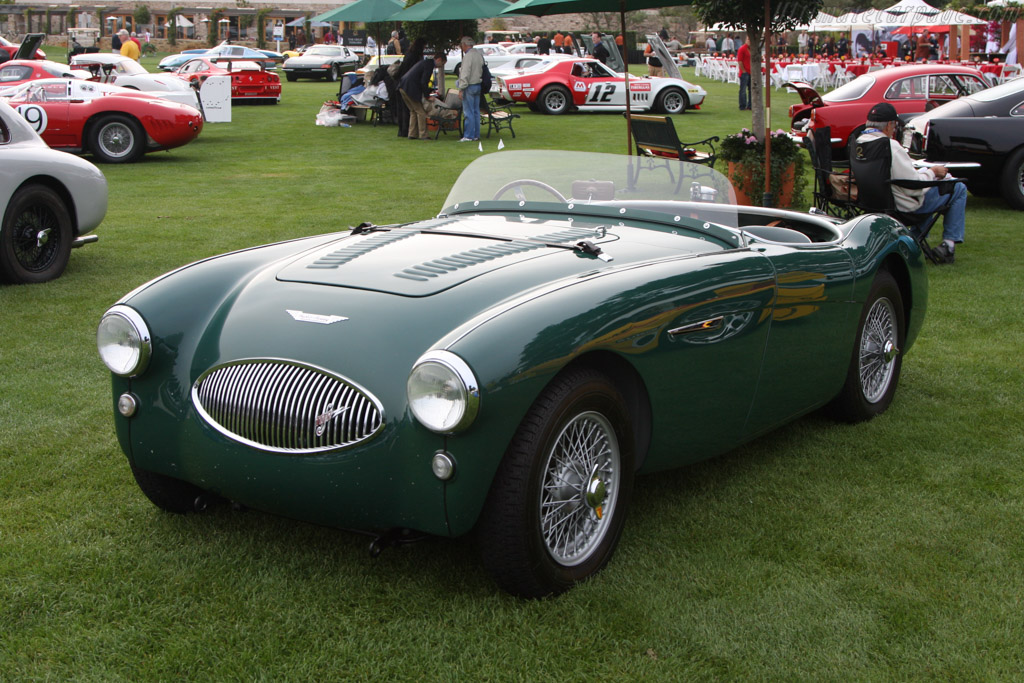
{"points": [[414, 87], [543, 44], [413, 56], [600, 52]]}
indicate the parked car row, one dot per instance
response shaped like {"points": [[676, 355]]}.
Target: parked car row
{"points": [[951, 114]]}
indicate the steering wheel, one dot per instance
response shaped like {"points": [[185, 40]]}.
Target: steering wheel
{"points": [[527, 181]]}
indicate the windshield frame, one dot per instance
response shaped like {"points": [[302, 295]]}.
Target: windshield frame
{"points": [[695, 199]]}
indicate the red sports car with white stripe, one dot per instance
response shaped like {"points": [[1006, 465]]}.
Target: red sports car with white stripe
{"points": [[116, 125], [585, 84]]}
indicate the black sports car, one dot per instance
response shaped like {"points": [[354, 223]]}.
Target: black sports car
{"points": [[986, 127]]}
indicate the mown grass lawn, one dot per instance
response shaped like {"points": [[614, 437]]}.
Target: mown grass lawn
{"points": [[887, 550]]}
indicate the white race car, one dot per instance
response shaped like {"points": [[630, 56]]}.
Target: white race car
{"points": [[519, 65], [127, 73], [49, 201], [557, 86]]}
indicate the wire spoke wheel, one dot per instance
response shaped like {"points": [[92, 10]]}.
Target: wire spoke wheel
{"points": [[116, 139], [580, 488], [36, 238], [36, 235], [877, 350], [558, 502], [874, 370]]}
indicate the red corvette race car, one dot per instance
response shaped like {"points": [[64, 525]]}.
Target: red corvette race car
{"points": [[115, 124], [18, 71], [249, 80], [911, 89], [555, 87]]}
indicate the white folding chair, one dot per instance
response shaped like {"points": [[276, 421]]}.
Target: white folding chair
{"points": [[778, 76], [732, 70], [841, 76], [716, 69], [698, 69], [794, 72]]}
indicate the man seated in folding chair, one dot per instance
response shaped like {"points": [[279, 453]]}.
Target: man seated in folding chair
{"points": [[888, 182]]}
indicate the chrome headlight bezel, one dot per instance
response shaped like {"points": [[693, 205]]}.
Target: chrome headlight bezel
{"points": [[449, 371], [126, 323]]}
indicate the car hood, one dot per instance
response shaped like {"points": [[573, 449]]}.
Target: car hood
{"points": [[959, 108], [307, 60], [430, 257], [390, 293]]}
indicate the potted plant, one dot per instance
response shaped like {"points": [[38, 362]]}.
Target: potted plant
{"points": [[745, 154]]}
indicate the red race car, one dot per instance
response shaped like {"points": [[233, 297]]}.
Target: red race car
{"points": [[249, 80], [116, 125], [18, 71], [911, 89], [29, 48], [558, 86]]}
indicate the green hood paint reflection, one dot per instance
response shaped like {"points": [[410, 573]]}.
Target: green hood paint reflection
{"points": [[413, 262]]}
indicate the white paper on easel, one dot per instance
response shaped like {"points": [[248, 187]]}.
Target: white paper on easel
{"points": [[215, 94]]}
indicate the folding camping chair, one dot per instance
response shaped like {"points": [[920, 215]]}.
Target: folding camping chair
{"points": [[834, 192], [659, 146], [443, 124], [871, 167]]}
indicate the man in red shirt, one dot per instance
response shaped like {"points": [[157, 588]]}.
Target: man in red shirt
{"points": [[743, 57]]}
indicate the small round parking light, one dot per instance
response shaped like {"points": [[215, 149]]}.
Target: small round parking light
{"points": [[443, 466], [127, 405]]}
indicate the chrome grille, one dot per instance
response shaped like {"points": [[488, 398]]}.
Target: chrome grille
{"points": [[286, 407]]}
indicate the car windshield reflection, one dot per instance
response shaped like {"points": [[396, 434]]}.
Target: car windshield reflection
{"points": [[569, 181]]}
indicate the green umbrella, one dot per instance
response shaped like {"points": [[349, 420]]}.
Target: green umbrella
{"points": [[451, 10], [363, 10]]}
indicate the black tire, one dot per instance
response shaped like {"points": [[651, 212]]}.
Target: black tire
{"points": [[168, 493], [672, 101], [981, 189], [291, 77], [332, 74], [116, 139], [35, 237], [877, 358], [555, 100], [528, 553], [533, 106], [1013, 180]]}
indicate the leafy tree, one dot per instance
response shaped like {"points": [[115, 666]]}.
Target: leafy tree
{"points": [[141, 15], [213, 32], [611, 22], [749, 15], [261, 26], [172, 25], [680, 20]]}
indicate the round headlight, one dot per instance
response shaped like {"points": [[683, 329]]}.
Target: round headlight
{"points": [[123, 341], [443, 393]]}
